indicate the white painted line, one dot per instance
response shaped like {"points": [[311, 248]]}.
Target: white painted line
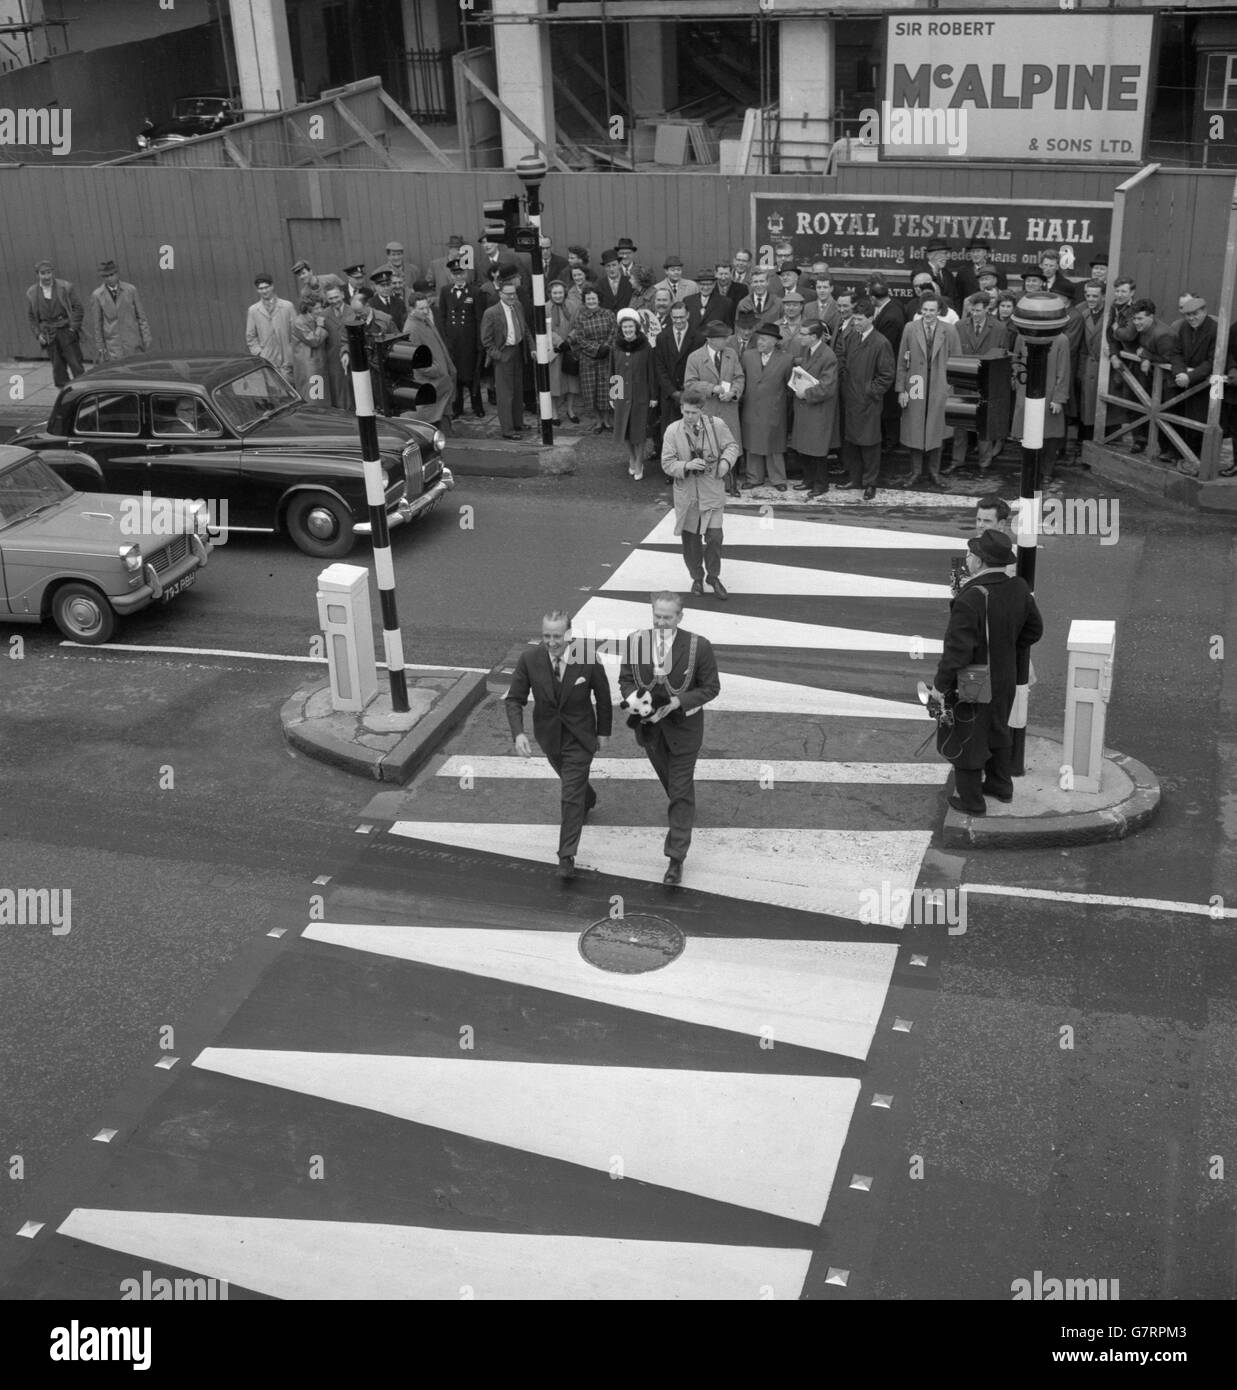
{"points": [[253, 656], [1002, 890], [335, 1260], [771, 770], [821, 994], [653, 570], [838, 872], [741, 529], [770, 1143], [606, 617], [755, 695]]}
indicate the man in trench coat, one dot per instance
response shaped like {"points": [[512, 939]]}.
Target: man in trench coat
{"points": [[980, 742], [815, 428], [716, 366], [1056, 397], [766, 371], [697, 453], [117, 322], [923, 388], [1084, 333], [867, 371]]}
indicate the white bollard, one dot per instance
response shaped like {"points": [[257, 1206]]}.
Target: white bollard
{"points": [[343, 611], [1088, 688]]}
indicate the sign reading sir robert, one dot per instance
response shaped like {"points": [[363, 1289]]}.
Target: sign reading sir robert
{"points": [[1058, 87]]}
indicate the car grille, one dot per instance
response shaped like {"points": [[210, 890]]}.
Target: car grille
{"points": [[431, 469], [171, 554], [395, 488]]}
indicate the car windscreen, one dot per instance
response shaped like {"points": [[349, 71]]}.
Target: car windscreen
{"points": [[28, 487], [247, 399]]}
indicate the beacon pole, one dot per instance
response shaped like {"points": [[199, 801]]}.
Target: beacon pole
{"points": [[531, 170]]}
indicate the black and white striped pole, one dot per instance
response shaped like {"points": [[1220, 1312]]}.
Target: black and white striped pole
{"points": [[375, 496], [1038, 318], [531, 170]]}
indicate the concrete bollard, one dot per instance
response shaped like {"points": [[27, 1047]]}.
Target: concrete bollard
{"points": [[1088, 688], [343, 612]]}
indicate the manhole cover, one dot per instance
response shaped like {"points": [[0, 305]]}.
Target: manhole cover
{"points": [[632, 945]]}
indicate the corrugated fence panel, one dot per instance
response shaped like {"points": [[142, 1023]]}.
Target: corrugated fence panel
{"points": [[223, 226]]}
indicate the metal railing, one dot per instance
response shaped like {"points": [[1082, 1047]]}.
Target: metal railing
{"points": [[431, 85]]}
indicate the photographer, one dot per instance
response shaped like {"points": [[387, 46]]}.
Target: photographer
{"points": [[697, 453], [990, 622]]}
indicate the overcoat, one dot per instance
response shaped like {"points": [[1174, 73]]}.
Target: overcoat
{"points": [[119, 329], [459, 321], [441, 374], [1086, 342], [698, 492], [559, 318], [866, 372], [591, 333], [700, 368], [1015, 625], [763, 410], [632, 364], [309, 356], [816, 411], [923, 419]]}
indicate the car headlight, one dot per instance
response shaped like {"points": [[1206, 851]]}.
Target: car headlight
{"points": [[200, 514], [131, 558], [440, 441]]}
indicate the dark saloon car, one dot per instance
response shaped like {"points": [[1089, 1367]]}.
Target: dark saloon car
{"points": [[191, 116], [232, 432], [81, 559]]}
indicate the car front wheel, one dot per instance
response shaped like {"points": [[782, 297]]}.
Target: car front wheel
{"points": [[83, 614], [320, 525]]}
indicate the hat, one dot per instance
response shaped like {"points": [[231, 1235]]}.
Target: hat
{"points": [[624, 314], [793, 297], [791, 269], [706, 275], [1100, 258], [745, 317], [672, 260], [1190, 302], [987, 269], [1033, 271], [771, 327], [383, 275], [456, 267], [936, 244], [507, 276], [455, 239], [979, 297], [625, 243], [357, 269], [105, 267], [993, 547], [422, 287], [978, 244], [715, 328], [44, 265], [393, 246], [302, 264], [609, 256]]}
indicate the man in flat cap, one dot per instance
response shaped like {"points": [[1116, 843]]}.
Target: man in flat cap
{"points": [[406, 273], [55, 315], [117, 322], [993, 621], [308, 281]]}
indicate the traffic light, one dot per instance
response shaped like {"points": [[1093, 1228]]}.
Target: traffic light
{"points": [[502, 220], [402, 365], [980, 396]]}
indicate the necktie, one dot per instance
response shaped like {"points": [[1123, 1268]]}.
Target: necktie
{"points": [[678, 342], [558, 670], [760, 305], [663, 644], [717, 362], [930, 333]]}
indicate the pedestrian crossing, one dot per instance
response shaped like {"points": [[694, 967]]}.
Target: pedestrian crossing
{"points": [[433, 1092]]}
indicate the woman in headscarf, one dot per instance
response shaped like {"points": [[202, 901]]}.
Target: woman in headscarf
{"points": [[421, 329], [591, 335], [635, 389], [559, 317]]}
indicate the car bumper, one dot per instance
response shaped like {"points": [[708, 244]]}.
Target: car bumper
{"points": [[406, 510], [152, 590]]}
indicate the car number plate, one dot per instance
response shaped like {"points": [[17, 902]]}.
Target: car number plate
{"points": [[185, 582]]}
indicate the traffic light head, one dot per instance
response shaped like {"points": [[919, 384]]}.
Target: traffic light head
{"points": [[404, 363], [979, 396], [502, 218]]}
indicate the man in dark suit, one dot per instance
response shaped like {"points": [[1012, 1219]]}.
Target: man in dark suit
{"points": [[459, 321], [553, 267], [889, 319], [504, 334], [966, 277], [679, 671], [1195, 335], [866, 372], [993, 620], [492, 256], [728, 285], [387, 299], [1054, 281], [709, 303], [614, 289], [935, 265], [572, 714], [675, 344]]}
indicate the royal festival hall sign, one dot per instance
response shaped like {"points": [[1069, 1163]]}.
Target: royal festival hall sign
{"points": [[1065, 88]]}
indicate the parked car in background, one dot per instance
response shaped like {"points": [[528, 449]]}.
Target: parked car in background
{"points": [[191, 117], [80, 559], [233, 432]]}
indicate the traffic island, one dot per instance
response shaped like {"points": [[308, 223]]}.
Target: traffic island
{"points": [[1042, 813], [376, 742]]}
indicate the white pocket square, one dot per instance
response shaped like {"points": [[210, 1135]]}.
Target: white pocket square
{"points": [[580, 680]]}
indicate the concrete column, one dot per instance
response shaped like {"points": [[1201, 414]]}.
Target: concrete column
{"points": [[652, 65], [807, 93], [522, 58], [263, 55]]}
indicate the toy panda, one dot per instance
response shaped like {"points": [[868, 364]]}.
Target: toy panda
{"points": [[640, 703]]}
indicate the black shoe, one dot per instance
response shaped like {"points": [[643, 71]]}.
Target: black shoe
{"points": [[799, 487], [908, 482], [566, 867], [869, 493], [575, 419], [719, 588], [819, 492], [781, 487], [958, 805], [556, 421], [674, 873], [514, 435], [697, 586], [987, 791]]}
